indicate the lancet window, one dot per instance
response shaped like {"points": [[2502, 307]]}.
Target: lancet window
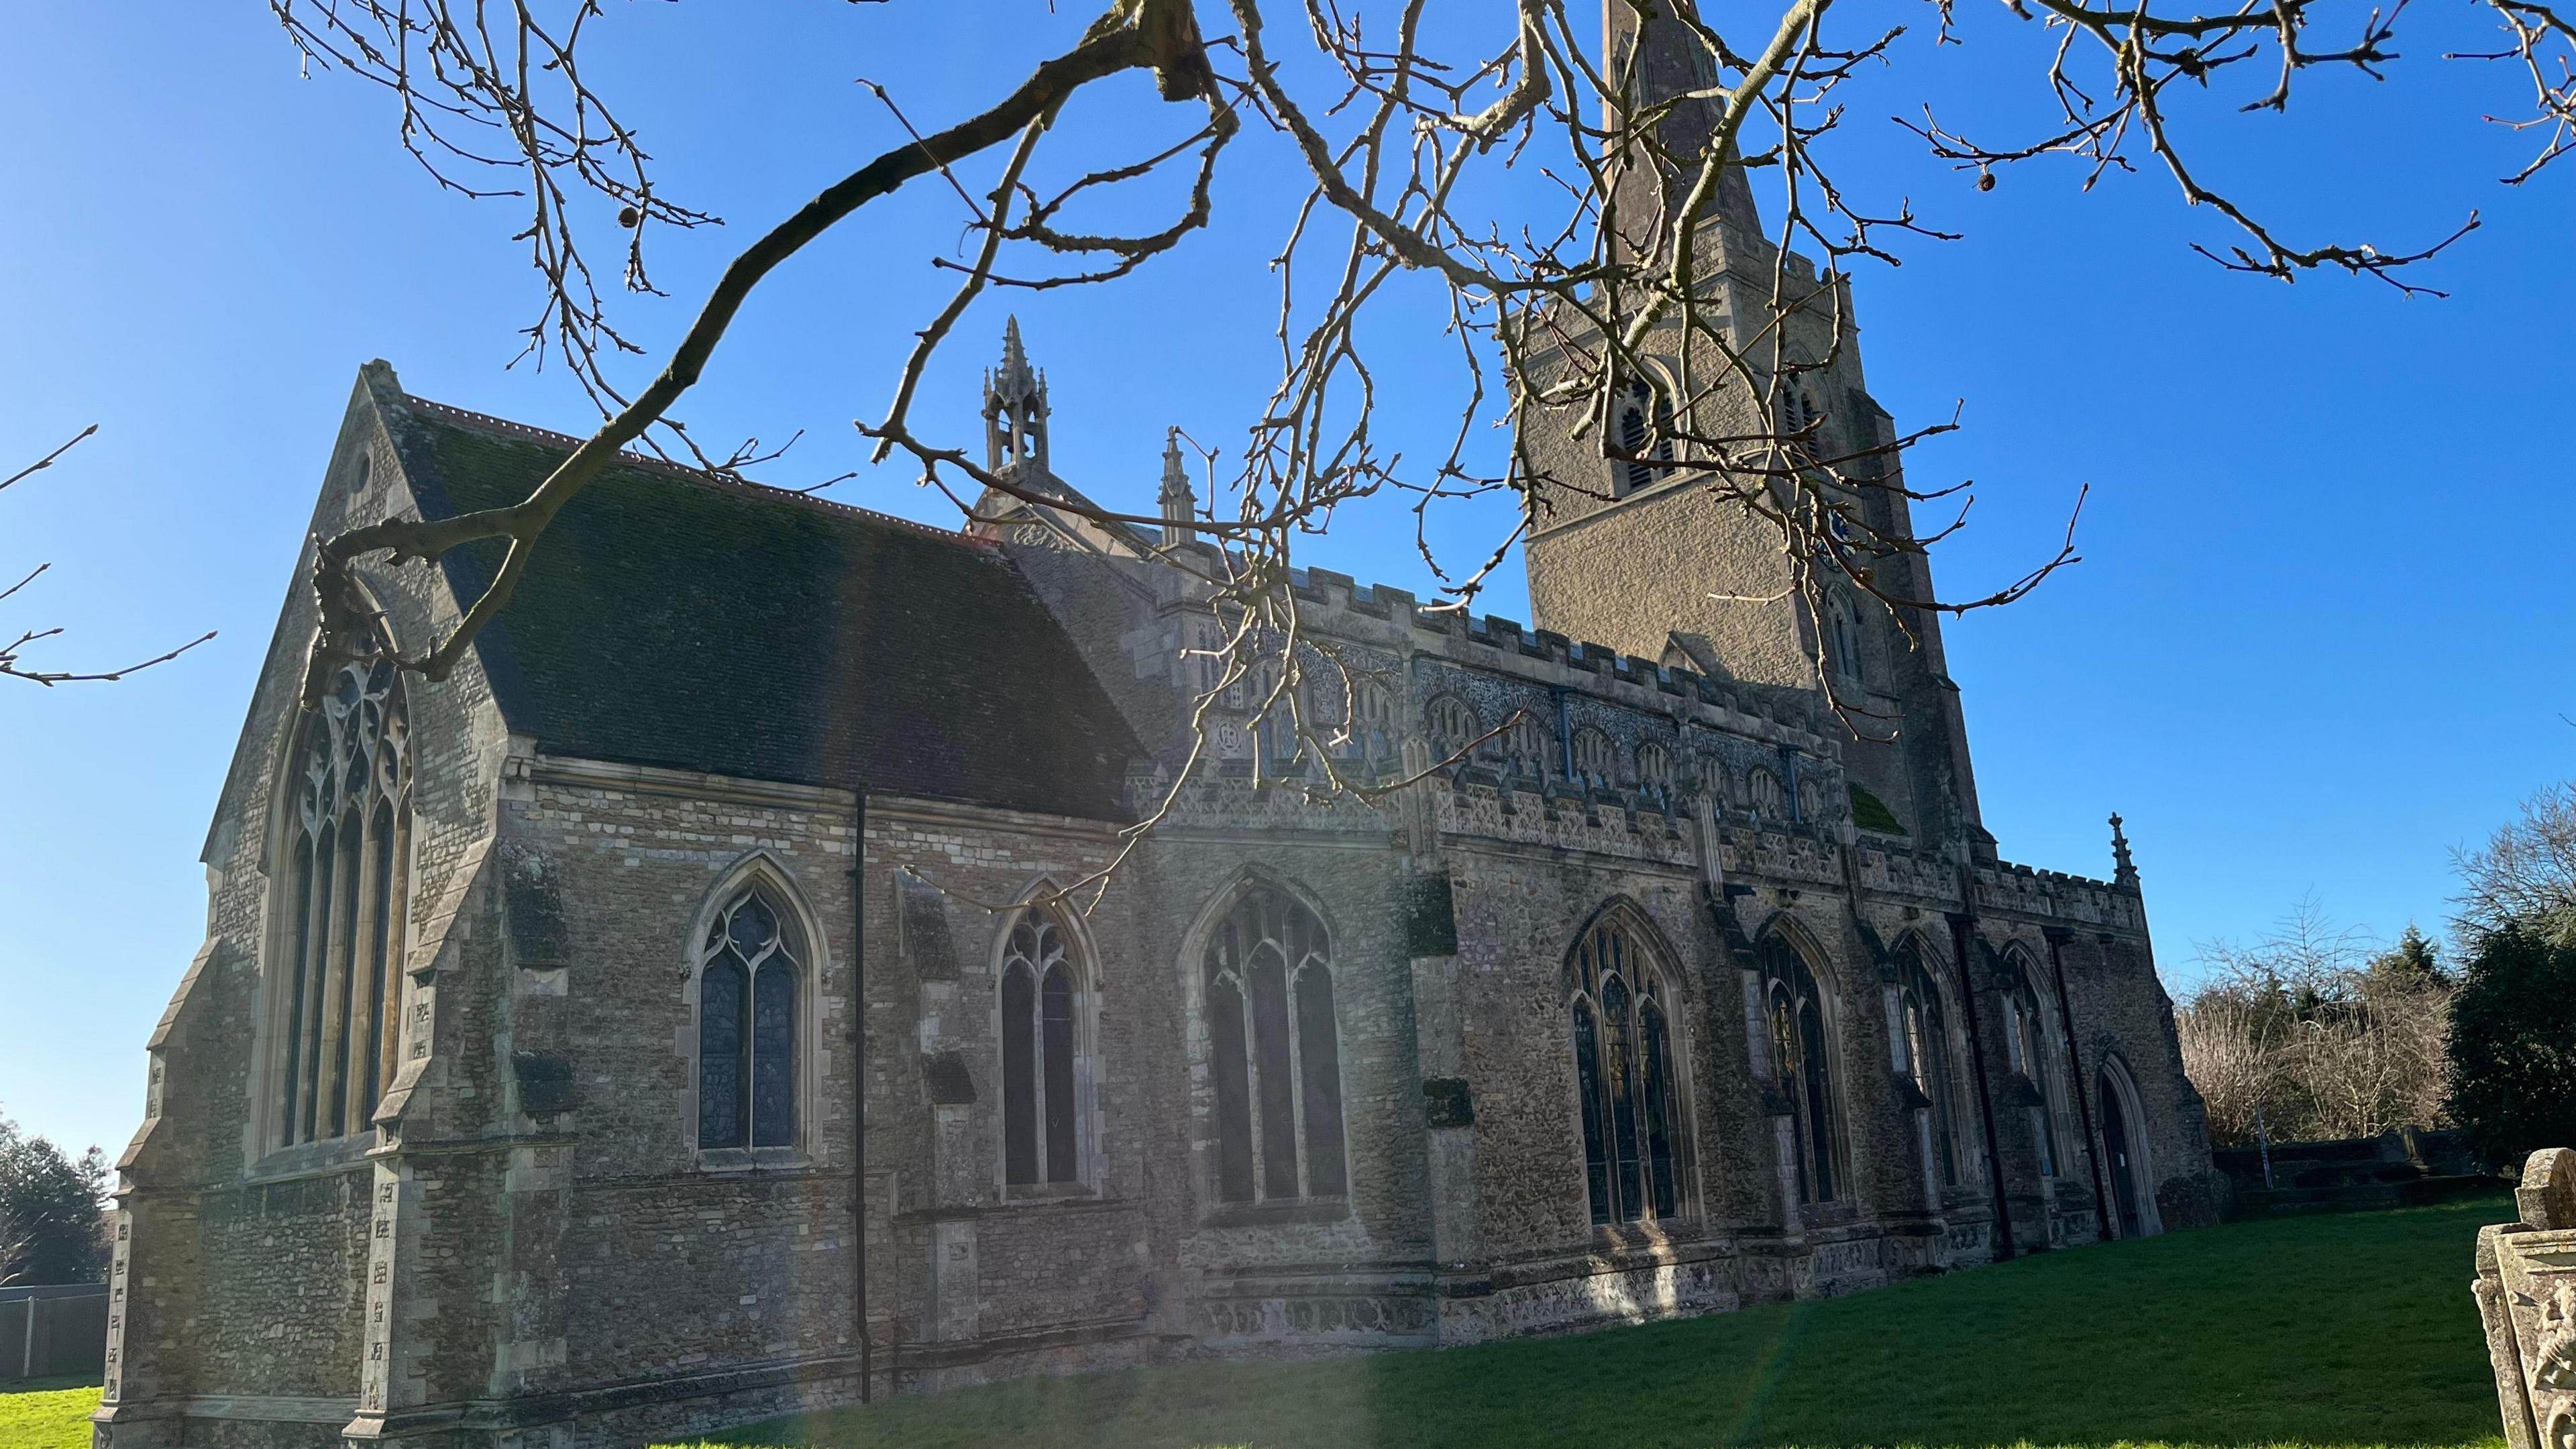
{"points": [[750, 988], [1802, 1067], [1926, 1037], [2028, 1037], [1042, 1003]]}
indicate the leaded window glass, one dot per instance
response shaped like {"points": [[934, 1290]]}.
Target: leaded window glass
{"points": [[750, 980], [1624, 1074], [1801, 1064], [1041, 1005], [345, 887], [1927, 1057], [1274, 1044]]}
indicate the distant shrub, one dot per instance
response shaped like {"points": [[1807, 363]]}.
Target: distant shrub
{"points": [[2513, 1040]]}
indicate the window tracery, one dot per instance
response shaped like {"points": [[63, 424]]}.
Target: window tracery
{"points": [[1801, 1063], [1525, 746], [1042, 1008], [1452, 724], [1624, 1070], [1655, 772], [1763, 794], [1926, 1037], [750, 969], [345, 889], [1274, 1052], [2027, 1039], [1595, 759]]}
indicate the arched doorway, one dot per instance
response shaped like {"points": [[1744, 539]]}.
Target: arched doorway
{"points": [[2119, 1157]]}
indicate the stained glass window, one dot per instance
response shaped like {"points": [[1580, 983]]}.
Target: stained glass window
{"points": [[1624, 1072], [1802, 1065]]}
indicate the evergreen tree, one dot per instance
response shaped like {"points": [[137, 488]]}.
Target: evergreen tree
{"points": [[2513, 1042], [2412, 962], [49, 1211]]}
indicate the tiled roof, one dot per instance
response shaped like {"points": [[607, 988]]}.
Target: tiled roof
{"points": [[672, 619]]}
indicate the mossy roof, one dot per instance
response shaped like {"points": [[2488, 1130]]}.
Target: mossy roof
{"points": [[674, 620], [1871, 813]]}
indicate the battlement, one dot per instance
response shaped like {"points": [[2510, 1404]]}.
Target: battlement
{"points": [[1382, 614]]}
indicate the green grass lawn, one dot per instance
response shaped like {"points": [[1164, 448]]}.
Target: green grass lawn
{"points": [[2354, 1329], [46, 1415], [2335, 1330]]}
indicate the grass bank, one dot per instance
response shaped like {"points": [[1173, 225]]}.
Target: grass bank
{"points": [[46, 1415], [2353, 1329]]}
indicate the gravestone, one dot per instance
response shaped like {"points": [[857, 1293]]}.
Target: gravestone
{"points": [[2526, 1291]]}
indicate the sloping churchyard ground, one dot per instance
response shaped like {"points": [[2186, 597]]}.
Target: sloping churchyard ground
{"points": [[46, 1414], [2351, 1329], [2343, 1329]]}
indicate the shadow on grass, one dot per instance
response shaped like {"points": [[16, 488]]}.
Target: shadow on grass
{"points": [[2352, 1329]]}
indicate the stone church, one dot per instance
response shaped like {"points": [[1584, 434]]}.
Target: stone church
{"points": [[672, 1018]]}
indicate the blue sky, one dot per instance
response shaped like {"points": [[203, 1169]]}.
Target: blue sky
{"points": [[2318, 637]]}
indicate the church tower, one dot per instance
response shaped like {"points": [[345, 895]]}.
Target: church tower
{"points": [[1666, 560]]}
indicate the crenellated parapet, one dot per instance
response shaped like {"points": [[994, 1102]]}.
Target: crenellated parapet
{"points": [[2049, 895]]}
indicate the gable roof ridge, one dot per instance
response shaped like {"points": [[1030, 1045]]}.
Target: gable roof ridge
{"points": [[452, 413]]}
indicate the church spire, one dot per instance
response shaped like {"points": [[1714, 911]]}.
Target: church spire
{"points": [[1015, 408], [1180, 503], [1656, 58]]}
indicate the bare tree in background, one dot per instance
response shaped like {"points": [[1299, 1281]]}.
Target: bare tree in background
{"points": [[2321, 1036], [13, 662], [2526, 870], [1553, 305]]}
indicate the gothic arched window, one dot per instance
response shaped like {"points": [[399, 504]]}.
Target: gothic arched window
{"points": [[1846, 642], [1762, 792], [2027, 1039], [1802, 1066], [345, 887], [1645, 433], [1453, 726], [1926, 1038], [1624, 1071], [1595, 759], [1371, 736], [1525, 745], [1655, 772], [1800, 416], [750, 980], [1274, 1052], [1042, 1010]]}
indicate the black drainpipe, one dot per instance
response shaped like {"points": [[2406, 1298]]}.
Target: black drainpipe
{"points": [[1961, 925], [2082, 1089], [859, 1084]]}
